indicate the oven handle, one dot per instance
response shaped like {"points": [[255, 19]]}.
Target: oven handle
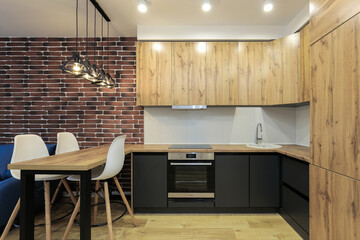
{"points": [[190, 164]]}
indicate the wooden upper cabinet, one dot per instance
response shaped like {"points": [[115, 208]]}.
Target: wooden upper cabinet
{"points": [[305, 64], [290, 51], [222, 73], [153, 73], [326, 15], [335, 108], [254, 72], [189, 73]]}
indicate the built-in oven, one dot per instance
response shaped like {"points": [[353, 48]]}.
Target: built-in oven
{"points": [[191, 179]]}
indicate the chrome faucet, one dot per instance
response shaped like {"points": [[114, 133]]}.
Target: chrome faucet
{"points": [[258, 133]]}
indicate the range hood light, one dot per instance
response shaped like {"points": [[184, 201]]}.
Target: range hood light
{"points": [[189, 107]]}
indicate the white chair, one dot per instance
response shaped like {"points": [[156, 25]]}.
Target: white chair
{"points": [[114, 164], [66, 142], [27, 147]]}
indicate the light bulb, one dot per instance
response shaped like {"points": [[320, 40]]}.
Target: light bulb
{"points": [[206, 6], [76, 67], [268, 6], [142, 6]]}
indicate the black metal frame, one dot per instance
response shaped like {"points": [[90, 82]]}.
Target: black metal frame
{"points": [[27, 201], [101, 11]]}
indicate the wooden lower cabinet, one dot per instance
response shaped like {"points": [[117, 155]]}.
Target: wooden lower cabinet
{"points": [[150, 180], [264, 180], [334, 205], [231, 180]]}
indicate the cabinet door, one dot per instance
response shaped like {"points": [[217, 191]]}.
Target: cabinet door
{"points": [[264, 180], [335, 109], [150, 178], [153, 74], [290, 51], [304, 64], [326, 15], [231, 180], [295, 173], [334, 205], [222, 73], [254, 73], [189, 80], [296, 207]]}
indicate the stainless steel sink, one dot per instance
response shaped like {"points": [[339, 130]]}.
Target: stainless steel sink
{"points": [[263, 145]]}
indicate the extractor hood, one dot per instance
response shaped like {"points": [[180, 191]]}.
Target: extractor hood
{"points": [[189, 107]]}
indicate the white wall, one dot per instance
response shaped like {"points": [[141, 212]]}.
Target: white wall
{"points": [[303, 125], [210, 32], [221, 125]]}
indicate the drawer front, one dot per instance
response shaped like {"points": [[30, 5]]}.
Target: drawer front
{"points": [[296, 207], [296, 174]]}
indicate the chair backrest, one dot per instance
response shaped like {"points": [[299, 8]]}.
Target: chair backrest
{"points": [[66, 142], [115, 158], [27, 147]]}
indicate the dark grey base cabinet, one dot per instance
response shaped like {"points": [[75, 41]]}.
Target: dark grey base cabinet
{"points": [[231, 180], [150, 180], [264, 180], [295, 194]]}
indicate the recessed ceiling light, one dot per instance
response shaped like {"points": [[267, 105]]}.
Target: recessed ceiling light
{"points": [[206, 6], [268, 5], [142, 5]]}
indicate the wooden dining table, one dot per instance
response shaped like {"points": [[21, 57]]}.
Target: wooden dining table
{"points": [[79, 162]]}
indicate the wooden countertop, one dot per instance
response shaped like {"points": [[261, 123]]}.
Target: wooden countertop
{"points": [[295, 151], [89, 158]]}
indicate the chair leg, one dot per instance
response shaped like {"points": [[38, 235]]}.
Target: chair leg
{"points": [[47, 209], [108, 210], [96, 200], [11, 220], [56, 193], [68, 189], [71, 221], [125, 200]]}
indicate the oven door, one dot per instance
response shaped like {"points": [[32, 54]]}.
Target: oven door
{"points": [[191, 179]]}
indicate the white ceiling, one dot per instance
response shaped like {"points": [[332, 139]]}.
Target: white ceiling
{"points": [[57, 17]]}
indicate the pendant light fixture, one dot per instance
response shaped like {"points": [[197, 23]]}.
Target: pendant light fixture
{"points": [[88, 73], [74, 65]]}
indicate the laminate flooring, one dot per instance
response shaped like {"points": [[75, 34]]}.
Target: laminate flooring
{"points": [[173, 226]]}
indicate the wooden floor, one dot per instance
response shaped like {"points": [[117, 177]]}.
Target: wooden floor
{"points": [[176, 227]]}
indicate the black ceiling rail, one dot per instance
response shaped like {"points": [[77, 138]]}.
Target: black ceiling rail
{"points": [[100, 10]]}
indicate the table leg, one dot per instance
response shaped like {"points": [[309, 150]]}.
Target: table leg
{"points": [[85, 205], [27, 205]]}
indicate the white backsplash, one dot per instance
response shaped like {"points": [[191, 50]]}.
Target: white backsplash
{"points": [[303, 125], [220, 125]]}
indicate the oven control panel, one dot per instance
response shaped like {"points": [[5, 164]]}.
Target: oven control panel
{"points": [[191, 156]]}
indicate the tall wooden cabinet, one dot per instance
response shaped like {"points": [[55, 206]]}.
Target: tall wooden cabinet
{"points": [[335, 124], [335, 63]]}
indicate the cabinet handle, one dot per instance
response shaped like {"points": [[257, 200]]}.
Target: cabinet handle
{"points": [[190, 164]]}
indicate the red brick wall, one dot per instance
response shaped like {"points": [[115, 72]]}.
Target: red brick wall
{"points": [[36, 97]]}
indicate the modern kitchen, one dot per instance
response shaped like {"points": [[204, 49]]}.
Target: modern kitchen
{"points": [[193, 119]]}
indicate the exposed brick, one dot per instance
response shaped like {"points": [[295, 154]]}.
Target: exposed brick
{"points": [[37, 97]]}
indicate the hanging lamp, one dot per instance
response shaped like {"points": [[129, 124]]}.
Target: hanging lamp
{"points": [[88, 73], [74, 65]]}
